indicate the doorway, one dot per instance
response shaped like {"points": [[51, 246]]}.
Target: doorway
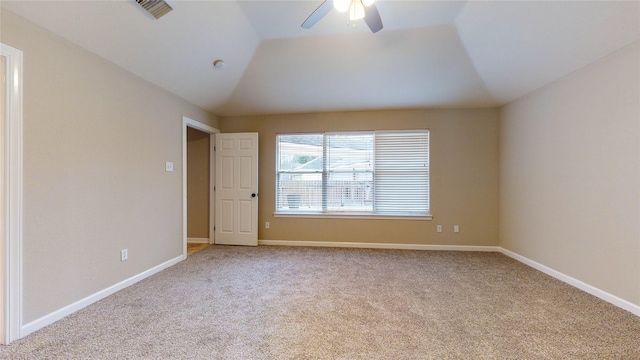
{"points": [[198, 171], [3, 71], [10, 194], [198, 187]]}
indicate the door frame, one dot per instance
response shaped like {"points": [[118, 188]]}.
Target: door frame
{"points": [[194, 124], [11, 237]]}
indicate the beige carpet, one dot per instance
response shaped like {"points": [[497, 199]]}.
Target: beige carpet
{"points": [[315, 303]]}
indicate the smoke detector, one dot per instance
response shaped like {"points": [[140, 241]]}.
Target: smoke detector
{"points": [[157, 8]]}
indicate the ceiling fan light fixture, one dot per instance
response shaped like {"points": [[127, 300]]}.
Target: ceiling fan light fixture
{"points": [[341, 5], [356, 10]]}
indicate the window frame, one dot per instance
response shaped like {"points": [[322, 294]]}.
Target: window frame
{"points": [[350, 214]]}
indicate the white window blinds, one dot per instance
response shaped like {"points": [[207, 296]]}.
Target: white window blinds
{"points": [[402, 173]]}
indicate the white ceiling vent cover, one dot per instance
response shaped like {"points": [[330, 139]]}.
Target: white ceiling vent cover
{"points": [[157, 8]]}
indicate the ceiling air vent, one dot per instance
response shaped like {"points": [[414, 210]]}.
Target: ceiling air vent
{"points": [[157, 8]]}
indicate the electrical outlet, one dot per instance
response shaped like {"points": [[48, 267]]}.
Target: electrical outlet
{"points": [[439, 228], [456, 228], [266, 225], [124, 255], [168, 166]]}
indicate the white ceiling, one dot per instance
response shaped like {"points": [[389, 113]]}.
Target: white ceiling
{"points": [[429, 54]]}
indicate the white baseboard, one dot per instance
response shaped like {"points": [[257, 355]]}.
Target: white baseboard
{"points": [[191, 240], [621, 303], [70, 309], [378, 245]]}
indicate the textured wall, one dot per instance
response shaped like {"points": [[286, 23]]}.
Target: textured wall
{"points": [[464, 176], [95, 142], [570, 175]]}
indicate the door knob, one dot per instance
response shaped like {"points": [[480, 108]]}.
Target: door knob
{"points": [[254, 195]]}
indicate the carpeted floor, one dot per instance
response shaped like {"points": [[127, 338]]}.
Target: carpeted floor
{"points": [[318, 303]]}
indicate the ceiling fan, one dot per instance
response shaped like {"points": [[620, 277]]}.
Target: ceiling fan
{"points": [[358, 9]]}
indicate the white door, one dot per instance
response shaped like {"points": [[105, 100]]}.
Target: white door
{"points": [[236, 187]]}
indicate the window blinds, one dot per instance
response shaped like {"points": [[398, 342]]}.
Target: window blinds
{"points": [[402, 172]]}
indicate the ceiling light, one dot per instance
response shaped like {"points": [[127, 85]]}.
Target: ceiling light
{"points": [[356, 10], [341, 5], [355, 7]]}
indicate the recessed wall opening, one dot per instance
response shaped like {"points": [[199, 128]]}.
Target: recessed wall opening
{"points": [[198, 176], [198, 189]]}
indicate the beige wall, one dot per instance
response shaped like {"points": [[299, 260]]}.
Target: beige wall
{"points": [[570, 175], [464, 176], [197, 184], [96, 139]]}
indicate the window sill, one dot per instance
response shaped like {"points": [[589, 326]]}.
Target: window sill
{"points": [[354, 216]]}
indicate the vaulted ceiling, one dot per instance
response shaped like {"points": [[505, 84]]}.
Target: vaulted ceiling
{"points": [[429, 54]]}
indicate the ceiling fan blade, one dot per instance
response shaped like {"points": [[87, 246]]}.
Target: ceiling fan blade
{"points": [[372, 18], [318, 14]]}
